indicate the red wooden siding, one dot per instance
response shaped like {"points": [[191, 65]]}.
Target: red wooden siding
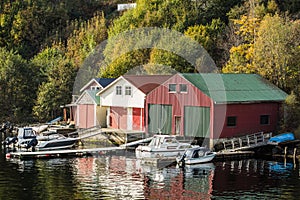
{"points": [[248, 119], [247, 114], [86, 115], [118, 117], [193, 97], [138, 119]]}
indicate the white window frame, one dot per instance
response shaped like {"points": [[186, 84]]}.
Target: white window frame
{"points": [[172, 91], [128, 90], [118, 90], [95, 88], [180, 88]]}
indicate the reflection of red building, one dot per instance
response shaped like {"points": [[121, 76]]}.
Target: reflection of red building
{"points": [[197, 186], [85, 166]]}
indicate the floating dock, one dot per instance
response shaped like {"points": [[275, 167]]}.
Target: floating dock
{"points": [[61, 153], [233, 155]]}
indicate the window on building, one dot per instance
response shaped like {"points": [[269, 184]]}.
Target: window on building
{"points": [[127, 90], [183, 87], [118, 90], [264, 119], [172, 87], [95, 88], [231, 121]]}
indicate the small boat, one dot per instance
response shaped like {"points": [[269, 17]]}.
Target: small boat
{"points": [[284, 137], [162, 146], [27, 138], [196, 155]]}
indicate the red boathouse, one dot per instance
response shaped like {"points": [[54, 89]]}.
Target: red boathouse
{"points": [[214, 105]]}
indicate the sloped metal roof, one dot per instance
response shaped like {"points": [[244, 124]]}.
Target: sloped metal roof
{"points": [[146, 83], [104, 81], [236, 87]]}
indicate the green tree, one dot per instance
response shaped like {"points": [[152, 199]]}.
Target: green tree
{"points": [[277, 50], [246, 27], [292, 108], [177, 15], [209, 36], [56, 88], [83, 40], [17, 85]]}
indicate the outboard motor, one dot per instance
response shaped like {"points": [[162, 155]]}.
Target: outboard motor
{"points": [[10, 140], [32, 143], [181, 161]]}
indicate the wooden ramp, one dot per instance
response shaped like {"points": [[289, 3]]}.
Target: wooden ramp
{"points": [[88, 132], [130, 144], [246, 143]]}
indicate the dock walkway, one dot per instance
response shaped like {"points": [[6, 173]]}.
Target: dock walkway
{"points": [[61, 153], [246, 143]]}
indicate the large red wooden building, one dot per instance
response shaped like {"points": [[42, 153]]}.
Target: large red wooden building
{"points": [[214, 105]]}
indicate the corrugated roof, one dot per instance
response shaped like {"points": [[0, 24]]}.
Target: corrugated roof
{"points": [[236, 87], [146, 83]]}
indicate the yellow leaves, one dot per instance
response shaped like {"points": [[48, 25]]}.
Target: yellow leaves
{"points": [[200, 34], [247, 27]]}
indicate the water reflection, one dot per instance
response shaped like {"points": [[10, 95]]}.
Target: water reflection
{"points": [[125, 177]]}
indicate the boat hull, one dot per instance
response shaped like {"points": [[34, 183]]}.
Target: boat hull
{"points": [[54, 145], [156, 153], [193, 161]]}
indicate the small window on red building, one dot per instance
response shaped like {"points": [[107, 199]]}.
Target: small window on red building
{"points": [[172, 87], [265, 119], [231, 121], [183, 88]]}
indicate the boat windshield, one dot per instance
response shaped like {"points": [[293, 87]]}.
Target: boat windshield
{"points": [[194, 153], [189, 153], [26, 133], [155, 141]]}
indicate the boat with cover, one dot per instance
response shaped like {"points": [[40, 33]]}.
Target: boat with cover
{"points": [[196, 155], [283, 137], [28, 138], [162, 146]]}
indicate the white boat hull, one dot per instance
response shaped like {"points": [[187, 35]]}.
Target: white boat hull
{"points": [[157, 153], [192, 161], [162, 146]]}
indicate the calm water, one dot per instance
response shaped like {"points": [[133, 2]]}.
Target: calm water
{"points": [[124, 177]]}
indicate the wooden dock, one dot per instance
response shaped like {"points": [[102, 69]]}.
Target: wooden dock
{"points": [[233, 155], [62, 153]]}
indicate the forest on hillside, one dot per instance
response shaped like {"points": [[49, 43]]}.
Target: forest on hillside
{"points": [[44, 43]]}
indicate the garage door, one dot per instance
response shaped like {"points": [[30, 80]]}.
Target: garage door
{"points": [[196, 121], [86, 116], [118, 117], [159, 118]]}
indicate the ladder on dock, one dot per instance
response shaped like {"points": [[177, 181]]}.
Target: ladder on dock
{"points": [[246, 142]]}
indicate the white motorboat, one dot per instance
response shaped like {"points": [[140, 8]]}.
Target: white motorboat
{"points": [[162, 146], [28, 138], [196, 155]]}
